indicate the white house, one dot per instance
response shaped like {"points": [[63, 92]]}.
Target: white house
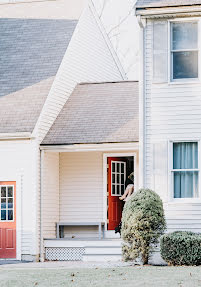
{"points": [[74, 126], [170, 101], [39, 72]]}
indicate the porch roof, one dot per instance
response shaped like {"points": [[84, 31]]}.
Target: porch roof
{"points": [[98, 113]]}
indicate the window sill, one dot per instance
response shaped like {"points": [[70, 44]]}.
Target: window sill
{"points": [[184, 82]]}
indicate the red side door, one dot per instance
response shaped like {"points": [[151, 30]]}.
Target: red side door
{"points": [[116, 187], [7, 219]]}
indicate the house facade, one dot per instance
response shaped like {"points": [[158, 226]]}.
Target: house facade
{"points": [[74, 127], [170, 102], [39, 72]]}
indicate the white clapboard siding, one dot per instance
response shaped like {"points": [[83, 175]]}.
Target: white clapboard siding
{"points": [[87, 59], [18, 163], [172, 112], [50, 210], [81, 187]]}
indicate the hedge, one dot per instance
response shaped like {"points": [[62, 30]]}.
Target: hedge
{"points": [[181, 248]]}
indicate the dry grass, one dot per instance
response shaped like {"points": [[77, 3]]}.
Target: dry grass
{"points": [[98, 277]]}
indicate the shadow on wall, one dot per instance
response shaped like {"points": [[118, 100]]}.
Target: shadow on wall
{"points": [[31, 50]]}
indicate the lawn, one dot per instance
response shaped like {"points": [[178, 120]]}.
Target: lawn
{"points": [[98, 277]]}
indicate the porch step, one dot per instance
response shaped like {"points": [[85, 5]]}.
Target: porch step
{"points": [[103, 253], [103, 250]]}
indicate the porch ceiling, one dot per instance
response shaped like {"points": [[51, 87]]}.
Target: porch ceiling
{"points": [[98, 113]]}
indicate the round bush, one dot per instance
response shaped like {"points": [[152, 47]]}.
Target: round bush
{"points": [[143, 222], [181, 248]]}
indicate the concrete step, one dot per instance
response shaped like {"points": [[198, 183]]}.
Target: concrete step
{"points": [[102, 250], [102, 258], [105, 243]]}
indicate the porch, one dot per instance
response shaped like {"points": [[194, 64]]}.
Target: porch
{"points": [[74, 188], [86, 158]]}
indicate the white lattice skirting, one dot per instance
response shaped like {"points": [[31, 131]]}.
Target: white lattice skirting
{"points": [[64, 253]]}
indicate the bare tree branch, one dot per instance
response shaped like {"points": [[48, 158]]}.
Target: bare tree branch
{"points": [[122, 21], [103, 7]]}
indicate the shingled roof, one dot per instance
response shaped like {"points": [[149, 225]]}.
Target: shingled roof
{"points": [[31, 51], [98, 113], [165, 3]]}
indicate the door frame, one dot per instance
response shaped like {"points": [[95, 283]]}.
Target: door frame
{"points": [[105, 157], [18, 179]]}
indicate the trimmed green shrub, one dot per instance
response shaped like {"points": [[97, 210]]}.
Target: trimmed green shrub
{"points": [[143, 222], [181, 248]]}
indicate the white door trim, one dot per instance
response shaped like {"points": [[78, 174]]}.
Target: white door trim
{"points": [[105, 157]]}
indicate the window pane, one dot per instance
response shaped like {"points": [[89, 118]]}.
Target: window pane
{"points": [[10, 191], [185, 184], [113, 167], [113, 189], [10, 203], [122, 189], [122, 168], [118, 190], [3, 203], [185, 65], [10, 214], [118, 178], [185, 155], [184, 35], [113, 178], [3, 214], [3, 191], [118, 167]]}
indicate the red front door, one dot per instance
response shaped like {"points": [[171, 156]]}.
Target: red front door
{"points": [[7, 219], [116, 187]]}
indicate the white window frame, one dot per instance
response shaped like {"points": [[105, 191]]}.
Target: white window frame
{"points": [[170, 52], [8, 185], [171, 174], [120, 173]]}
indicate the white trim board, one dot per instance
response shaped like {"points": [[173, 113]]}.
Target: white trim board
{"points": [[92, 147]]}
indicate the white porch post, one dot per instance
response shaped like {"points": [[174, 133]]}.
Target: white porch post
{"points": [[41, 205]]}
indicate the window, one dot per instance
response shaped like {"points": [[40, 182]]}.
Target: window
{"points": [[7, 207], [185, 170], [118, 177], [184, 50]]}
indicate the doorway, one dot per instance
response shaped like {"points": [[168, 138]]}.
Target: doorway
{"points": [[8, 220], [118, 170]]}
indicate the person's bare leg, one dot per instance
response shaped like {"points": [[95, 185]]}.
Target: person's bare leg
{"points": [[128, 191], [125, 193]]}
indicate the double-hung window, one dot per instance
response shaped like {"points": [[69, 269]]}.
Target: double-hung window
{"points": [[185, 172], [184, 50]]}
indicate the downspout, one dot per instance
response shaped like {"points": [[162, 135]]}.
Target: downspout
{"points": [[41, 205], [142, 110]]}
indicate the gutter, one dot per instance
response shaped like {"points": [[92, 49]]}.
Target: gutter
{"points": [[90, 147], [168, 12], [16, 136]]}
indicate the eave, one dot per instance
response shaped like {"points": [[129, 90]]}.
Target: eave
{"points": [[169, 12]]}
